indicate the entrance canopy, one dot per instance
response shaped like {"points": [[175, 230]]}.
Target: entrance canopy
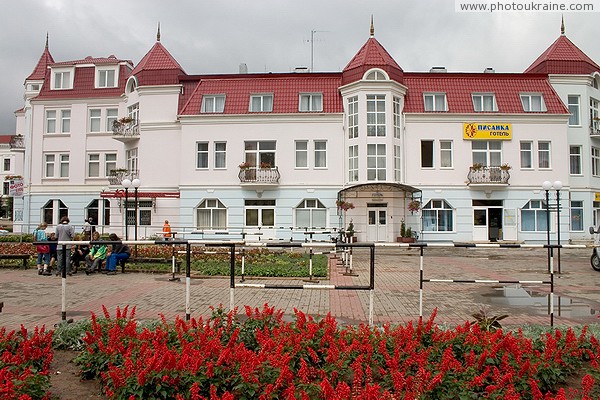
{"points": [[376, 188]]}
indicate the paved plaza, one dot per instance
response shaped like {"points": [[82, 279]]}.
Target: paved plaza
{"points": [[31, 299]]}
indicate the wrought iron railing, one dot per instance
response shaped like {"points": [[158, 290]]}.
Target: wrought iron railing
{"points": [[595, 128], [17, 142], [488, 175], [259, 175], [126, 129], [117, 175]]}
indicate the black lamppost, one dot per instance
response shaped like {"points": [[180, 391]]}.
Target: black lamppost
{"points": [[126, 183], [136, 184]]}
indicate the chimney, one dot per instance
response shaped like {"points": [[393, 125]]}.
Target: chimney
{"points": [[243, 68], [301, 69], [489, 70], [438, 69]]}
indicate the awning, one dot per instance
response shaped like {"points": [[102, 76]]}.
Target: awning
{"points": [[381, 187]]}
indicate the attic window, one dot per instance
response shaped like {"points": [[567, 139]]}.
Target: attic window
{"points": [[261, 102], [435, 101], [106, 77], [533, 102], [311, 102], [483, 102], [376, 75], [62, 79], [212, 103]]}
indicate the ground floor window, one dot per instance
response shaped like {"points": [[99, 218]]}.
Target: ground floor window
{"points": [[260, 213], [53, 211], [144, 212], [99, 211], [311, 213], [211, 214], [534, 217], [576, 215], [438, 216]]}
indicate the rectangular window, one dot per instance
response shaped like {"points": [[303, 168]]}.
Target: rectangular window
{"points": [[484, 102], [534, 217], [544, 154], [311, 102], [594, 116], [353, 117], [93, 165], [260, 154], [445, 154], [573, 104], [49, 162], [575, 160], [213, 103], [353, 163], [301, 154], [64, 165], [576, 220], [426, 153], [106, 78], [533, 102], [110, 163], [261, 103], [62, 80], [435, 101], [65, 121], [526, 155], [220, 154], [320, 154], [95, 120], [487, 152], [375, 115], [6, 165], [376, 162], [201, 155], [397, 118], [51, 121], [596, 161], [397, 163], [132, 160], [133, 112], [111, 117]]}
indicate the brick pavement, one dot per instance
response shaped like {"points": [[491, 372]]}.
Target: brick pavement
{"points": [[31, 300]]}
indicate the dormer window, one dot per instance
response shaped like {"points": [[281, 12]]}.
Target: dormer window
{"points": [[213, 103], [62, 79], [106, 77], [261, 102], [376, 75], [435, 101], [484, 102], [311, 102], [533, 102]]}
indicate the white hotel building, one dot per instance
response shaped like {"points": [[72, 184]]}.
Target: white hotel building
{"points": [[233, 152]]}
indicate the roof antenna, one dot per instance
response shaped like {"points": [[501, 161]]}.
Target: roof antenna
{"points": [[158, 33], [562, 25], [372, 27]]}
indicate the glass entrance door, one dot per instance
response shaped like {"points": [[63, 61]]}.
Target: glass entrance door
{"points": [[377, 224]]}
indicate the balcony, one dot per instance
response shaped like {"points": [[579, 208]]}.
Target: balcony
{"points": [[488, 176], [17, 143], [259, 176], [595, 129], [117, 175], [126, 130]]}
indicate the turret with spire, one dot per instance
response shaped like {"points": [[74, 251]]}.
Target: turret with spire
{"points": [[35, 80]]}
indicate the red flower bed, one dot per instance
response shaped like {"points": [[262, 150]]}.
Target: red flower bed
{"points": [[24, 364], [261, 356]]}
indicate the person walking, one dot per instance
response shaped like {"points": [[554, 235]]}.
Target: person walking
{"points": [[120, 251], [52, 240], [43, 250], [96, 256], [65, 233]]}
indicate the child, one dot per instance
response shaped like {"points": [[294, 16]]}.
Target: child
{"points": [[96, 256]]}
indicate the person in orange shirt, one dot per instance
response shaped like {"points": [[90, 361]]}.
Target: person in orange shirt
{"points": [[167, 230]]}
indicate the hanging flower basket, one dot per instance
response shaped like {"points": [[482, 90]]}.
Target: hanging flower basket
{"points": [[414, 206], [344, 205]]}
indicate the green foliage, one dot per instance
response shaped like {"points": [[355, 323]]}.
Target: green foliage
{"points": [[488, 323], [69, 336]]}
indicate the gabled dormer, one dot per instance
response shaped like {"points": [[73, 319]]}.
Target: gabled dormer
{"points": [[34, 82]]}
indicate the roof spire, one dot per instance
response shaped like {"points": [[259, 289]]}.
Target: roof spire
{"points": [[372, 31], [46, 39], [562, 25], [158, 33]]}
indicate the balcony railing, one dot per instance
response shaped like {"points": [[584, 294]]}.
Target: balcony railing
{"points": [[595, 129], [117, 175], [126, 129], [17, 142], [259, 175], [488, 175]]}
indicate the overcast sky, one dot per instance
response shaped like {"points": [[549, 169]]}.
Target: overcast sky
{"points": [[216, 36]]}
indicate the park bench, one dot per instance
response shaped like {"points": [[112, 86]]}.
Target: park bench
{"points": [[148, 260], [24, 257]]}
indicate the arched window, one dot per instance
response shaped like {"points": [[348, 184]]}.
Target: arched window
{"points": [[99, 211], [211, 214], [533, 216], [53, 211], [311, 213], [131, 85], [376, 75], [438, 216]]}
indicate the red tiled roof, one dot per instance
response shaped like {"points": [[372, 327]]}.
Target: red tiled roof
{"points": [[84, 85], [563, 57], [285, 87], [110, 60], [5, 139], [459, 87], [39, 72], [157, 67], [371, 55]]}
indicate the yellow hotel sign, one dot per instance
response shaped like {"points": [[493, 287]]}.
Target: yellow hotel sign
{"points": [[487, 131], [596, 196]]}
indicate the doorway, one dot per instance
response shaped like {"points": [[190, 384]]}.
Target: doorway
{"points": [[377, 222], [487, 220]]}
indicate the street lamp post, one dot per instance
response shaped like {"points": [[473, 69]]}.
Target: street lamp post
{"points": [[557, 185], [126, 183], [136, 184]]}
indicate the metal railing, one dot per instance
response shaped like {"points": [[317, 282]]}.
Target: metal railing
{"points": [[126, 129], [488, 175], [259, 175], [117, 176], [17, 142]]}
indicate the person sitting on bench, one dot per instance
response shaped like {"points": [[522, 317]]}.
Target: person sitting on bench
{"points": [[120, 251], [96, 256]]}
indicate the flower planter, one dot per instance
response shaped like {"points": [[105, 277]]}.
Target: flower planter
{"points": [[401, 239]]}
